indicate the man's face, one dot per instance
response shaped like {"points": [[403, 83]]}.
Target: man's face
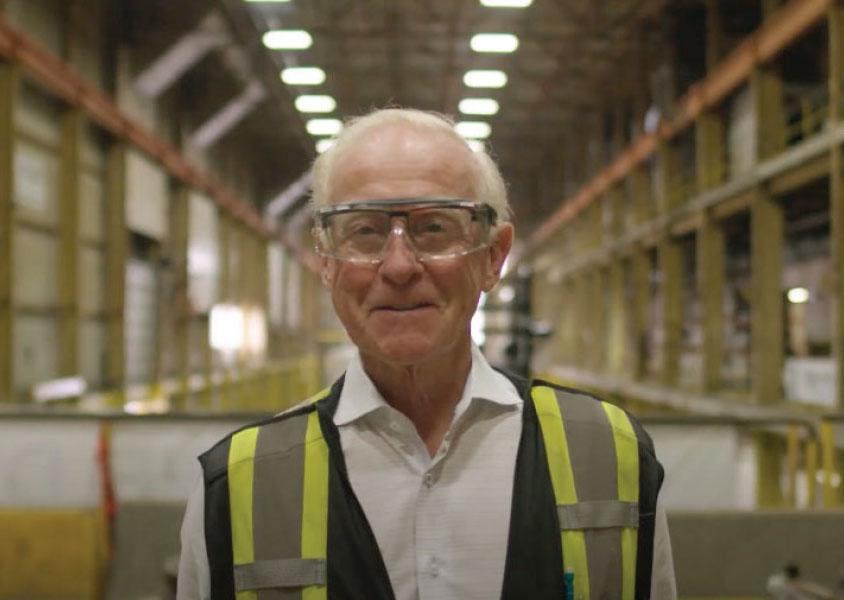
{"points": [[402, 311]]}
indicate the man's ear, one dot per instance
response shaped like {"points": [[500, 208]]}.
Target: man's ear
{"points": [[496, 254], [326, 271]]}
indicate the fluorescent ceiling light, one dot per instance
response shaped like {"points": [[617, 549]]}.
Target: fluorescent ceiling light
{"points": [[507, 3], [287, 39], [483, 78], [798, 295], [323, 145], [494, 42], [477, 130], [478, 106], [303, 76], [324, 126], [315, 104], [476, 145]]}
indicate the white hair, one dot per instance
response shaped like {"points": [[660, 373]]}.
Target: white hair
{"points": [[489, 186]]}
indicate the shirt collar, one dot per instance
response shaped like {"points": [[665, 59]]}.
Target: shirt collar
{"points": [[360, 396]]}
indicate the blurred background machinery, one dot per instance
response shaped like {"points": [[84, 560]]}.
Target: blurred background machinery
{"points": [[677, 180]]}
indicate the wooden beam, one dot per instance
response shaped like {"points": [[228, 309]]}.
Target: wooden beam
{"points": [[68, 242], [836, 190], [711, 249], [9, 94], [117, 249], [766, 257]]}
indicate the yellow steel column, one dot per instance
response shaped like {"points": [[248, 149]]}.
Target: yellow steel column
{"points": [[767, 238], [829, 496], [9, 88], [770, 451], [68, 242], [224, 295], [671, 266], [836, 189], [117, 244], [641, 275], [642, 203], [182, 314], [811, 451], [792, 464], [616, 337], [599, 318]]}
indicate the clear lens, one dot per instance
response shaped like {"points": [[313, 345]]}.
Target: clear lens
{"points": [[432, 232]]}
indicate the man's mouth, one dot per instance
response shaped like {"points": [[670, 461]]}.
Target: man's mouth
{"points": [[400, 308]]}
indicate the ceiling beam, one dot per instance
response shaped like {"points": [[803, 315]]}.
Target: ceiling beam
{"points": [[228, 116]]}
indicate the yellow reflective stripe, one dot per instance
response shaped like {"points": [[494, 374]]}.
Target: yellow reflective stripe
{"points": [[318, 396], [315, 502], [627, 459], [562, 478], [240, 473]]}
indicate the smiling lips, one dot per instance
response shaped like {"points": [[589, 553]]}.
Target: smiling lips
{"points": [[403, 308]]}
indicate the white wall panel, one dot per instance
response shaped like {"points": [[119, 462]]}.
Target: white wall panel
{"points": [[203, 253], [38, 115], [146, 196], [48, 464], [35, 344], [275, 264], [157, 462], [92, 269], [36, 182], [140, 320], [702, 467], [92, 349], [35, 269], [91, 207]]}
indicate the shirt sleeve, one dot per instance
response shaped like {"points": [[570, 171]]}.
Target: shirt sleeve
{"points": [[194, 581], [663, 584]]}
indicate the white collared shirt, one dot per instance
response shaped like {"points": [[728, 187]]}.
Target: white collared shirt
{"points": [[441, 522]]}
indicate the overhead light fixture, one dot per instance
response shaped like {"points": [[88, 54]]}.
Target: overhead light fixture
{"points": [[507, 3], [287, 39], [324, 126], [485, 78], [315, 103], [476, 130], [501, 43], [324, 144], [476, 145], [478, 106], [303, 76], [798, 295]]}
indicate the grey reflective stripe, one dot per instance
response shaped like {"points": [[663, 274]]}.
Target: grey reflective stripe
{"points": [[598, 513], [284, 572], [277, 496], [594, 466]]}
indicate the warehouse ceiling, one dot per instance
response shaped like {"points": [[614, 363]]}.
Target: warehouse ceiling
{"points": [[575, 73]]}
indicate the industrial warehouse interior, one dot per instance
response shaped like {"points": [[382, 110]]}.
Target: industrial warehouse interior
{"points": [[675, 170]]}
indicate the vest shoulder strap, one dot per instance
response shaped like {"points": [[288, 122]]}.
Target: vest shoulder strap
{"points": [[593, 449]]}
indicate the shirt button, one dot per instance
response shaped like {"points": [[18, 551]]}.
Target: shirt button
{"points": [[428, 479], [434, 567]]}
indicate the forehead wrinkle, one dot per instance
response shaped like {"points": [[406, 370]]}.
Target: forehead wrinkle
{"points": [[397, 154]]}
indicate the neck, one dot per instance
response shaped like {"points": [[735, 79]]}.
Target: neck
{"points": [[425, 392]]}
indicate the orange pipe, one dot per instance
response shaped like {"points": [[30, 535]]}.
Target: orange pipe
{"points": [[67, 84], [777, 32]]}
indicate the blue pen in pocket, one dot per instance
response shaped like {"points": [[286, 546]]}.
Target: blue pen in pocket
{"points": [[568, 589]]}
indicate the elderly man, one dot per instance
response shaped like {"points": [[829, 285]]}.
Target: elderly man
{"points": [[423, 472]]}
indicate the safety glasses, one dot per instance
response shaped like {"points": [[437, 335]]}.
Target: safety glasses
{"points": [[435, 228]]}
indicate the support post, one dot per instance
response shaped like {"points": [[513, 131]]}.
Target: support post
{"points": [[117, 245], [641, 274], [182, 316], [836, 190], [711, 248], [68, 242], [766, 249], [9, 87], [616, 339], [671, 266]]}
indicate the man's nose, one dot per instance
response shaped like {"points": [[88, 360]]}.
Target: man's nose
{"points": [[400, 263]]}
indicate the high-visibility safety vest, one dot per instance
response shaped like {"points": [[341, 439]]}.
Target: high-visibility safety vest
{"points": [[282, 521]]}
